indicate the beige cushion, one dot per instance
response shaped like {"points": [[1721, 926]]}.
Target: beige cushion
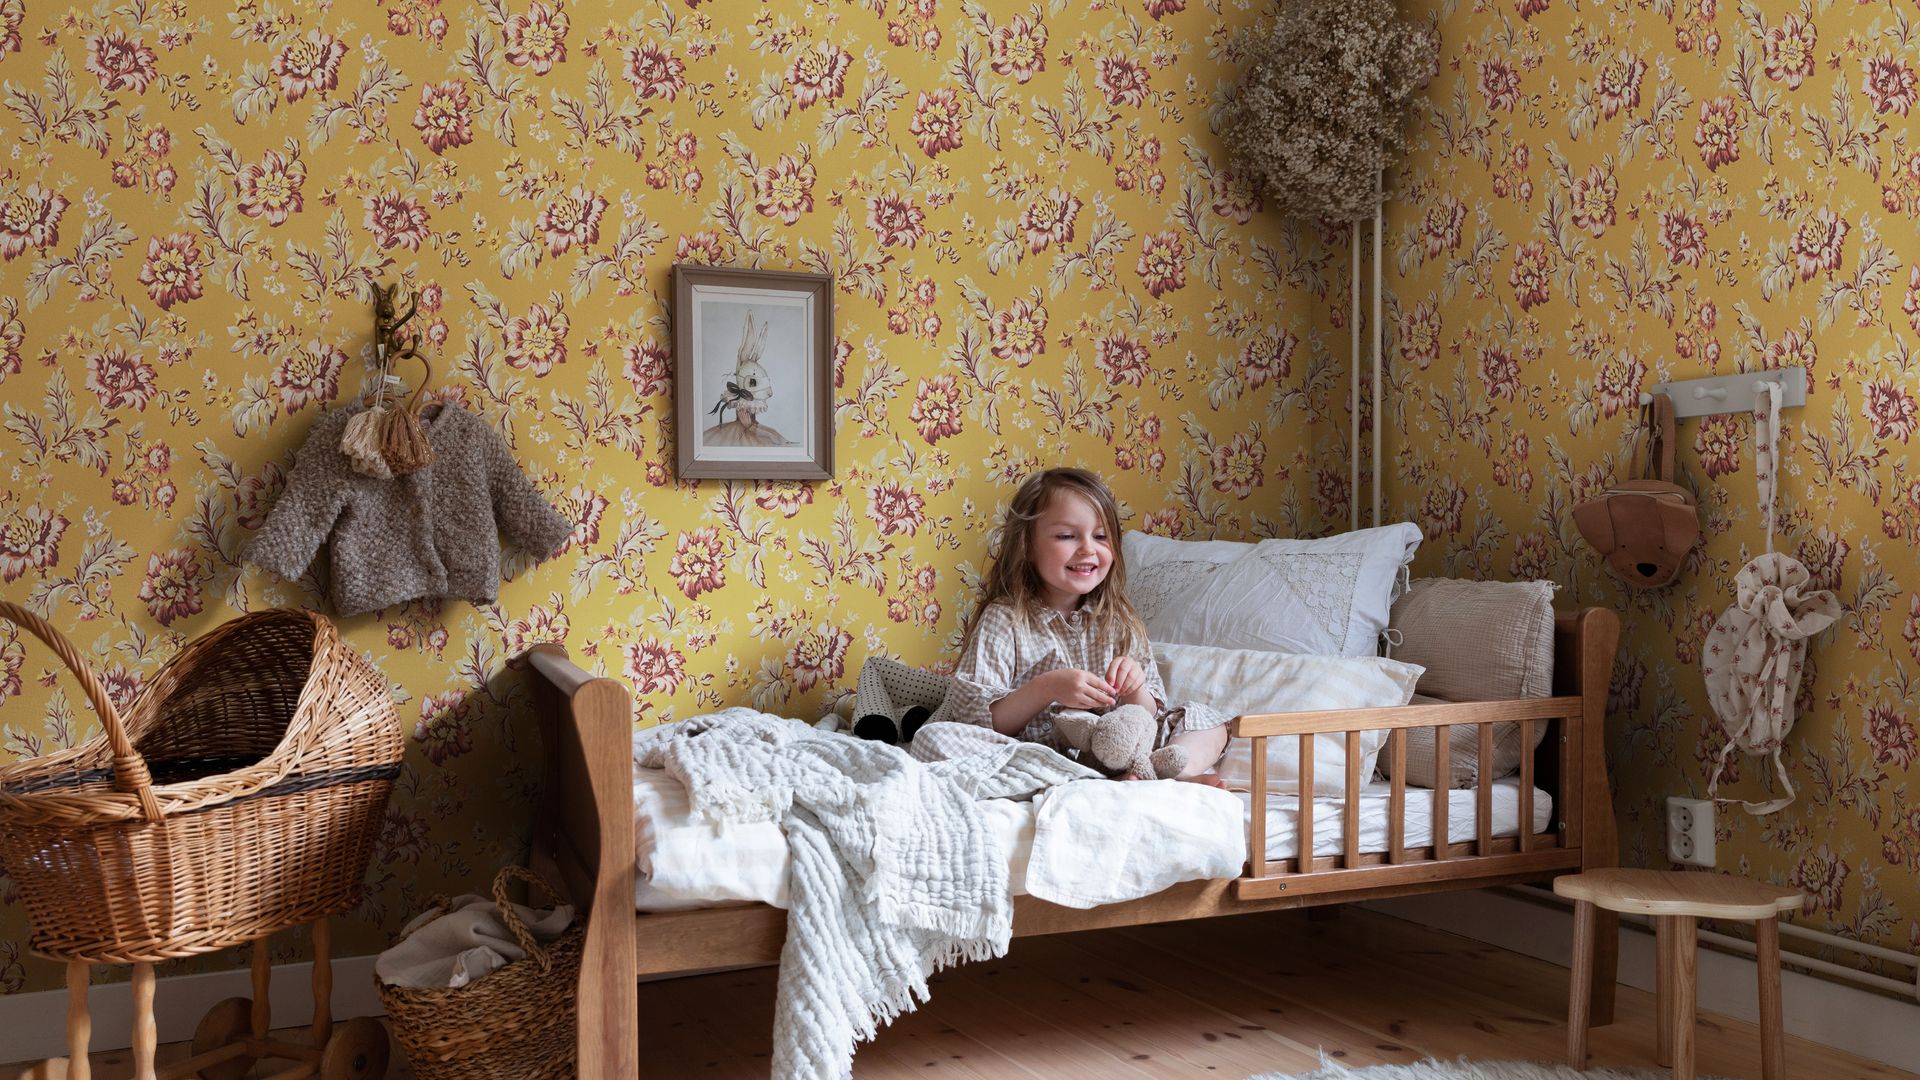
{"points": [[1478, 641]]}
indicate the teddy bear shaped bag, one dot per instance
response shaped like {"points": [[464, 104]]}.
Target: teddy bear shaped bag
{"points": [[1645, 527]]}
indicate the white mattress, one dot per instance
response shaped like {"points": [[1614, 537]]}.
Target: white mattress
{"points": [[684, 863]]}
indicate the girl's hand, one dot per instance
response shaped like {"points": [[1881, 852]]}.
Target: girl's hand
{"points": [[1125, 676], [1078, 689]]}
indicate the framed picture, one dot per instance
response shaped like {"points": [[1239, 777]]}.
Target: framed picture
{"points": [[753, 378]]}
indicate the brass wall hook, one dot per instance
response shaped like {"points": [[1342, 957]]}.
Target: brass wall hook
{"points": [[386, 327]]}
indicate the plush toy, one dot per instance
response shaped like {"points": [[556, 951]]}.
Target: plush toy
{"points": [[1121, 741]]}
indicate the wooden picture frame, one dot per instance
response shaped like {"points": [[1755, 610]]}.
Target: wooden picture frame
{"points": [[753, 373]]}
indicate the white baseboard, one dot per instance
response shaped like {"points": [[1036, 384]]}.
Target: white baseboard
{"points": [[1831, 1013], [35, 1025]]}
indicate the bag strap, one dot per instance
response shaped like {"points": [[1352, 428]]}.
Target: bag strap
{"points": [[1766, 450], [1657, 417]]}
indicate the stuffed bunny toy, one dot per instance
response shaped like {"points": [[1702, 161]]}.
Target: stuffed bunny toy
{"points": [[1121, 741]]}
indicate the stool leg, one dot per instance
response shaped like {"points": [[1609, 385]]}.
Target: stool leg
{"points": [[1686, 942], [322, 983], [1663, 986], [1580, 988], [262, 1018], [145, 1035], [79, 1022], [1773, 1041]]}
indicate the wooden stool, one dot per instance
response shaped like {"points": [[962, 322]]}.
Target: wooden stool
{"points": [[1675, 900]]}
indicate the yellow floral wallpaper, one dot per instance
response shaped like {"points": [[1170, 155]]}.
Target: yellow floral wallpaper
{"points": [[1607, 195], [1040, 256]]}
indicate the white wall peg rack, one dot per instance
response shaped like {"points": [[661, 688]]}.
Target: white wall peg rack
{"points": [[1730, 393]]}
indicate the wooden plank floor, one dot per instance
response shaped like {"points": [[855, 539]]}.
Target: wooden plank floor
{"points": [[1233, 997]]}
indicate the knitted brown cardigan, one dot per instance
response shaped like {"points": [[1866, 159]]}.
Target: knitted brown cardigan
{"points": [[435, 532]]}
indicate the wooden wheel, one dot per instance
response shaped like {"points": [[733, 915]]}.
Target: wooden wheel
{"points": [[357, 1051], [227, 1022]]}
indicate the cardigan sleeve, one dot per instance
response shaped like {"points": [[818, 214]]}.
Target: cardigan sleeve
{"points": [[523, 514], [304, 515]]}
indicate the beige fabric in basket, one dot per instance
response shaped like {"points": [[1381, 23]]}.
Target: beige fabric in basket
{"points": [[1479, 641]]}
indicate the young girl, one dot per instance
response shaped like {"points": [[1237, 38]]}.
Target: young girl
{"points": [[1054, 628]]}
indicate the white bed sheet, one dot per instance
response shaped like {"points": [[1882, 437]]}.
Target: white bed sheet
{"points": [[684, 863]]}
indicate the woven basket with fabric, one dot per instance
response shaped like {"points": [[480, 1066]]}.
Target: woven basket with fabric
{"points": [[518, 1023], [238, 795]]}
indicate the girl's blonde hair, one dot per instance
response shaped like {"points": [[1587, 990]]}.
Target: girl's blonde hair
{"points": [[1013, 579]]}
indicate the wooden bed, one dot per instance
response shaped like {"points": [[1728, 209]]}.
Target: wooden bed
{"points": [[585, 835]]}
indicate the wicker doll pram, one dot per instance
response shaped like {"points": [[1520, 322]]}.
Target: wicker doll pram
{"points": [[240, 794]]}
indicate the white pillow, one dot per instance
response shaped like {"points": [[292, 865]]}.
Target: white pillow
{"points": [[1241, 682], [1331, 596]]}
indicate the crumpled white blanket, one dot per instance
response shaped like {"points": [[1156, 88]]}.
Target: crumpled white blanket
{"points": [[895, 872], [1100, 842], [465, 944]]}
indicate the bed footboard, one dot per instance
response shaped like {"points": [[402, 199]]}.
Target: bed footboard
{"points": [[583, 838]]}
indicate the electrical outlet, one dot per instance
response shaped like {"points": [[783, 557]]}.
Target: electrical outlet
{"points": [[1690, 831]]}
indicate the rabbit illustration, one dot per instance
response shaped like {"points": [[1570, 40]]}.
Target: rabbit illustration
{"points": [[749, 390]]}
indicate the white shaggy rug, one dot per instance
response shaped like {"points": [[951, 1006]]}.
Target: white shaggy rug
{"points": [[1467, 1070]]}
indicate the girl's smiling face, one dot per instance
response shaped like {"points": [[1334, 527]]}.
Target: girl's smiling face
{"points": [[1071, 550]]}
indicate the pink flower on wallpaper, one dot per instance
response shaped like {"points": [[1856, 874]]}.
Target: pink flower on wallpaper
{"points": [[1499, 372], [396, 220], [1718, 133], [1593, 198], [1442, 507], [30, 218], [121, 62], [12, 14], [1822, 875], [1531, 274], [572, 219], [1440, 226], [30, 540], [171, 272], [1018, 47], [1618, 85], [896, 508], [445, 728], [309, 64], [819, 74], [1825, 556], [1527, 9], [121, 380], [705, 248], [1122, 80], [1164, 523], [1532, 559], [784, 189], [820, 656], [1163, 262], [895, 220], [584, 507], [1420, 334], [1889, 410], [654, 667], [1268, 357], [444, 117], [270, 187], [1236, 196], [172, 587], [1789, 50], [1158, 9], [404, 837], [537, 38], [1048, 219], [786, 497], [1018, 332], [122, 685], [1239, 465], [1618, 385], [255, 494], [1683, 237], [309, 375], [1891, 736], [541, 624], [1121, 359], [1718, 445], [1817, 243], [1889, 84], [937, 115], [936, 408], [1792, 349], [537, 341], [646, 368], [1499, 83], [655, 72], [699, 561]]}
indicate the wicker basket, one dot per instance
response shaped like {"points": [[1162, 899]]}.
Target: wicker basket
{"points": [[240, 794], [518, 1023]]}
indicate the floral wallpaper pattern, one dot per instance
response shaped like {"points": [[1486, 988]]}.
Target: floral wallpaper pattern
{"points": [[1040, 258], [1606, 195]]}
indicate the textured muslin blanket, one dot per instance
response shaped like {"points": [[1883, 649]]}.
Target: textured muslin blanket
{"points": [[895, 873], [465, 944]]}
